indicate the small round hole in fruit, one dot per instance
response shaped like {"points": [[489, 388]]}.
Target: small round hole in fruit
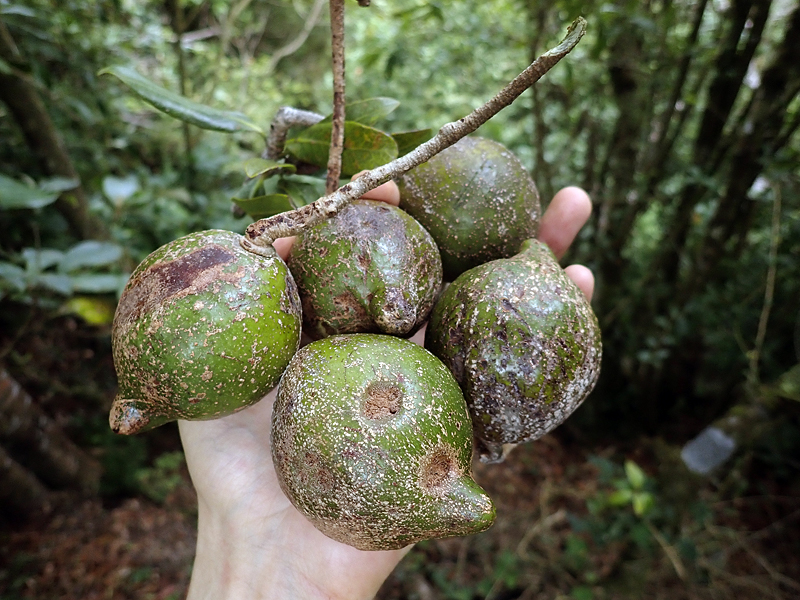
{"points": [[383, 400]]}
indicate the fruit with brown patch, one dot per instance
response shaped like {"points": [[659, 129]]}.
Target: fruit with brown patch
{"points": [[203, 329]]}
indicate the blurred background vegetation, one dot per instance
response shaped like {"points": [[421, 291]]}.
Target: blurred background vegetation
{"points": [[680, 117]]}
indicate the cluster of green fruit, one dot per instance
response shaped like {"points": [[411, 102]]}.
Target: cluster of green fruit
{"points": [[372, 435]]}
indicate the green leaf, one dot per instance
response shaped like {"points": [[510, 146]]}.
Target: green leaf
{"points": [[364, 147], [642, 503], [17, 9], [635, 475], [788, 385], [620, 498], [92, 309], [182, 108], [5, 68], [90, 254], [409, 140], [98, 283], [58, 184], [41, 259], [302, 189], [119, 189], [260, 166], [367, 112], [55, 282], [262, 207], [14, 194], [12, 276]]}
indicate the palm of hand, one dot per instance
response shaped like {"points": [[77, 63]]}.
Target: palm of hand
{"points": [[230, 462]]}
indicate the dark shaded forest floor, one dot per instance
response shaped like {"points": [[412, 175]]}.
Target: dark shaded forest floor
{"points": [[566, 525]]}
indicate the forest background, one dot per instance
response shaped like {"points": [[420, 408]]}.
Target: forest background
{"points": [[680, 118]]}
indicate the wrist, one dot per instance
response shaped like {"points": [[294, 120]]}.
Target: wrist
{"points": [[234, 561]]}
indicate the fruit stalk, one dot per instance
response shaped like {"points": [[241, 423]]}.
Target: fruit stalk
{"points": [[262, 233]]}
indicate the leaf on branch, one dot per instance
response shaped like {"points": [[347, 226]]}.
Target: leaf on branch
{"points": [[99, 283], [14, 194], [39, 259], [788, 385], [92, 309], [254, 167], [90, 254], [369, 111], [12, 277], [180, 107], [408, 140], [635, 475], [262, 207], [364, 147], [302, 189]]}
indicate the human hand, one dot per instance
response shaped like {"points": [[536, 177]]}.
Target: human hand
{"points": [[252, 543]]}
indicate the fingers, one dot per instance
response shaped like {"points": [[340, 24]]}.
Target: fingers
{"points": [[284, 246], [387, 192], [583, 278], [563, 219]]}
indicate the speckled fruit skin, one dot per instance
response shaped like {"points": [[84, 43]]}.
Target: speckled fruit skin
{"points": [[372, 441], [370, 269], [477, 201], [523, 343], [203, 329]]}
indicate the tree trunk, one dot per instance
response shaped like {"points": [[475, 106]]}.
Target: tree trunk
{"points": [[749, 19], [779, 86], [29, 112], [39, 444]]}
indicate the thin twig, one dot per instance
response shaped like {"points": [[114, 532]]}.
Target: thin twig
{"points": [[262, 233], [337, 124], [671, 553], [300, 39]]}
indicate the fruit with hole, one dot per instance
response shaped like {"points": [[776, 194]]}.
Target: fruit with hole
{"points": [[203, 329], [523, 343], [372, 442], [371, 268], [477, 201]]}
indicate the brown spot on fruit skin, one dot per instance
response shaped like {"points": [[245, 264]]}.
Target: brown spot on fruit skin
{"points": [[383, 400], [187, 274], [437, 469]]}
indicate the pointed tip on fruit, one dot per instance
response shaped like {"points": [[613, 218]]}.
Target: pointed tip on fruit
{"points": [[393, 312], [127, 417], [477, 509]]}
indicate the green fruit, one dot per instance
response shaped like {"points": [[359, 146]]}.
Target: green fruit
{"points": [[372, 442], [477, 201], [371, 268], [523, 343], [203, 329]]}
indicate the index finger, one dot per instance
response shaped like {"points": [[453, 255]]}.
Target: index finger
{"points": [[563, 219]]}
